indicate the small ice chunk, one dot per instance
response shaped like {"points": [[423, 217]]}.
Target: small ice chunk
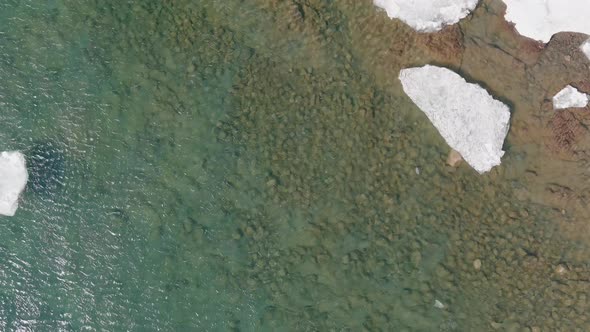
{"points": [[469, 119], [427, 15], [586, 48], [13, 178], [569, 97], [541, 19], [438, 304]]}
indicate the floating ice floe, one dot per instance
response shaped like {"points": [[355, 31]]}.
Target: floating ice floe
{"points": [[427, 15], [469, 119], [541, 19], [586, 48], [570, 97], [13, 178]]}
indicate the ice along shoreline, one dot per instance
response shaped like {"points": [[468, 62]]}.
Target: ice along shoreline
{"points": [[427, 15]]}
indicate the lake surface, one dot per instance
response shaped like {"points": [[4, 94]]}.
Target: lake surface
{"points": [[238, 166]]}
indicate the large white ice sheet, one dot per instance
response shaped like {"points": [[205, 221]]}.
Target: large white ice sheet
{"points": [[541, 19], [427, 15], [469, 119], [13, 178]]}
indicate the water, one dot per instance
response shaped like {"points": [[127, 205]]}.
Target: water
{"points": [[228, 165]]}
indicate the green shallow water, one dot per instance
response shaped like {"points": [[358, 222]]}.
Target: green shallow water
{"points": [[219, 175]]}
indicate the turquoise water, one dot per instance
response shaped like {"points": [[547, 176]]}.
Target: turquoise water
{"points": [[136, 239], [232, 165]]}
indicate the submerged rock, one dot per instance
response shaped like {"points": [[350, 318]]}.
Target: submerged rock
{"points": [[46, 163], [470, 120], [427, 15], [477, 264], [13, 179], [454, 158], [570, 97]]}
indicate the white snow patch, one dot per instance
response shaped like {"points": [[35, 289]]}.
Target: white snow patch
{"points": [[438, 304], [469, 119], [569, 97], [586, 48], [13, 178], [541, 19], [427, 15]]}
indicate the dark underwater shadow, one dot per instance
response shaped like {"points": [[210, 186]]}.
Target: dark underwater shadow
{"points": [[46, 165]]}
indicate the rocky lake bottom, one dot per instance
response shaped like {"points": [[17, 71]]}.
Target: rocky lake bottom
{"points": [[255, 166]]}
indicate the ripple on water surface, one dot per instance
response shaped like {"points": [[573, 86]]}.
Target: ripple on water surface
{"points": [[226, 165]]}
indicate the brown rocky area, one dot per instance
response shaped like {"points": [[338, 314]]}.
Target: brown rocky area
{"points": [[523, 73], [333, 206], [345, 151]]}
